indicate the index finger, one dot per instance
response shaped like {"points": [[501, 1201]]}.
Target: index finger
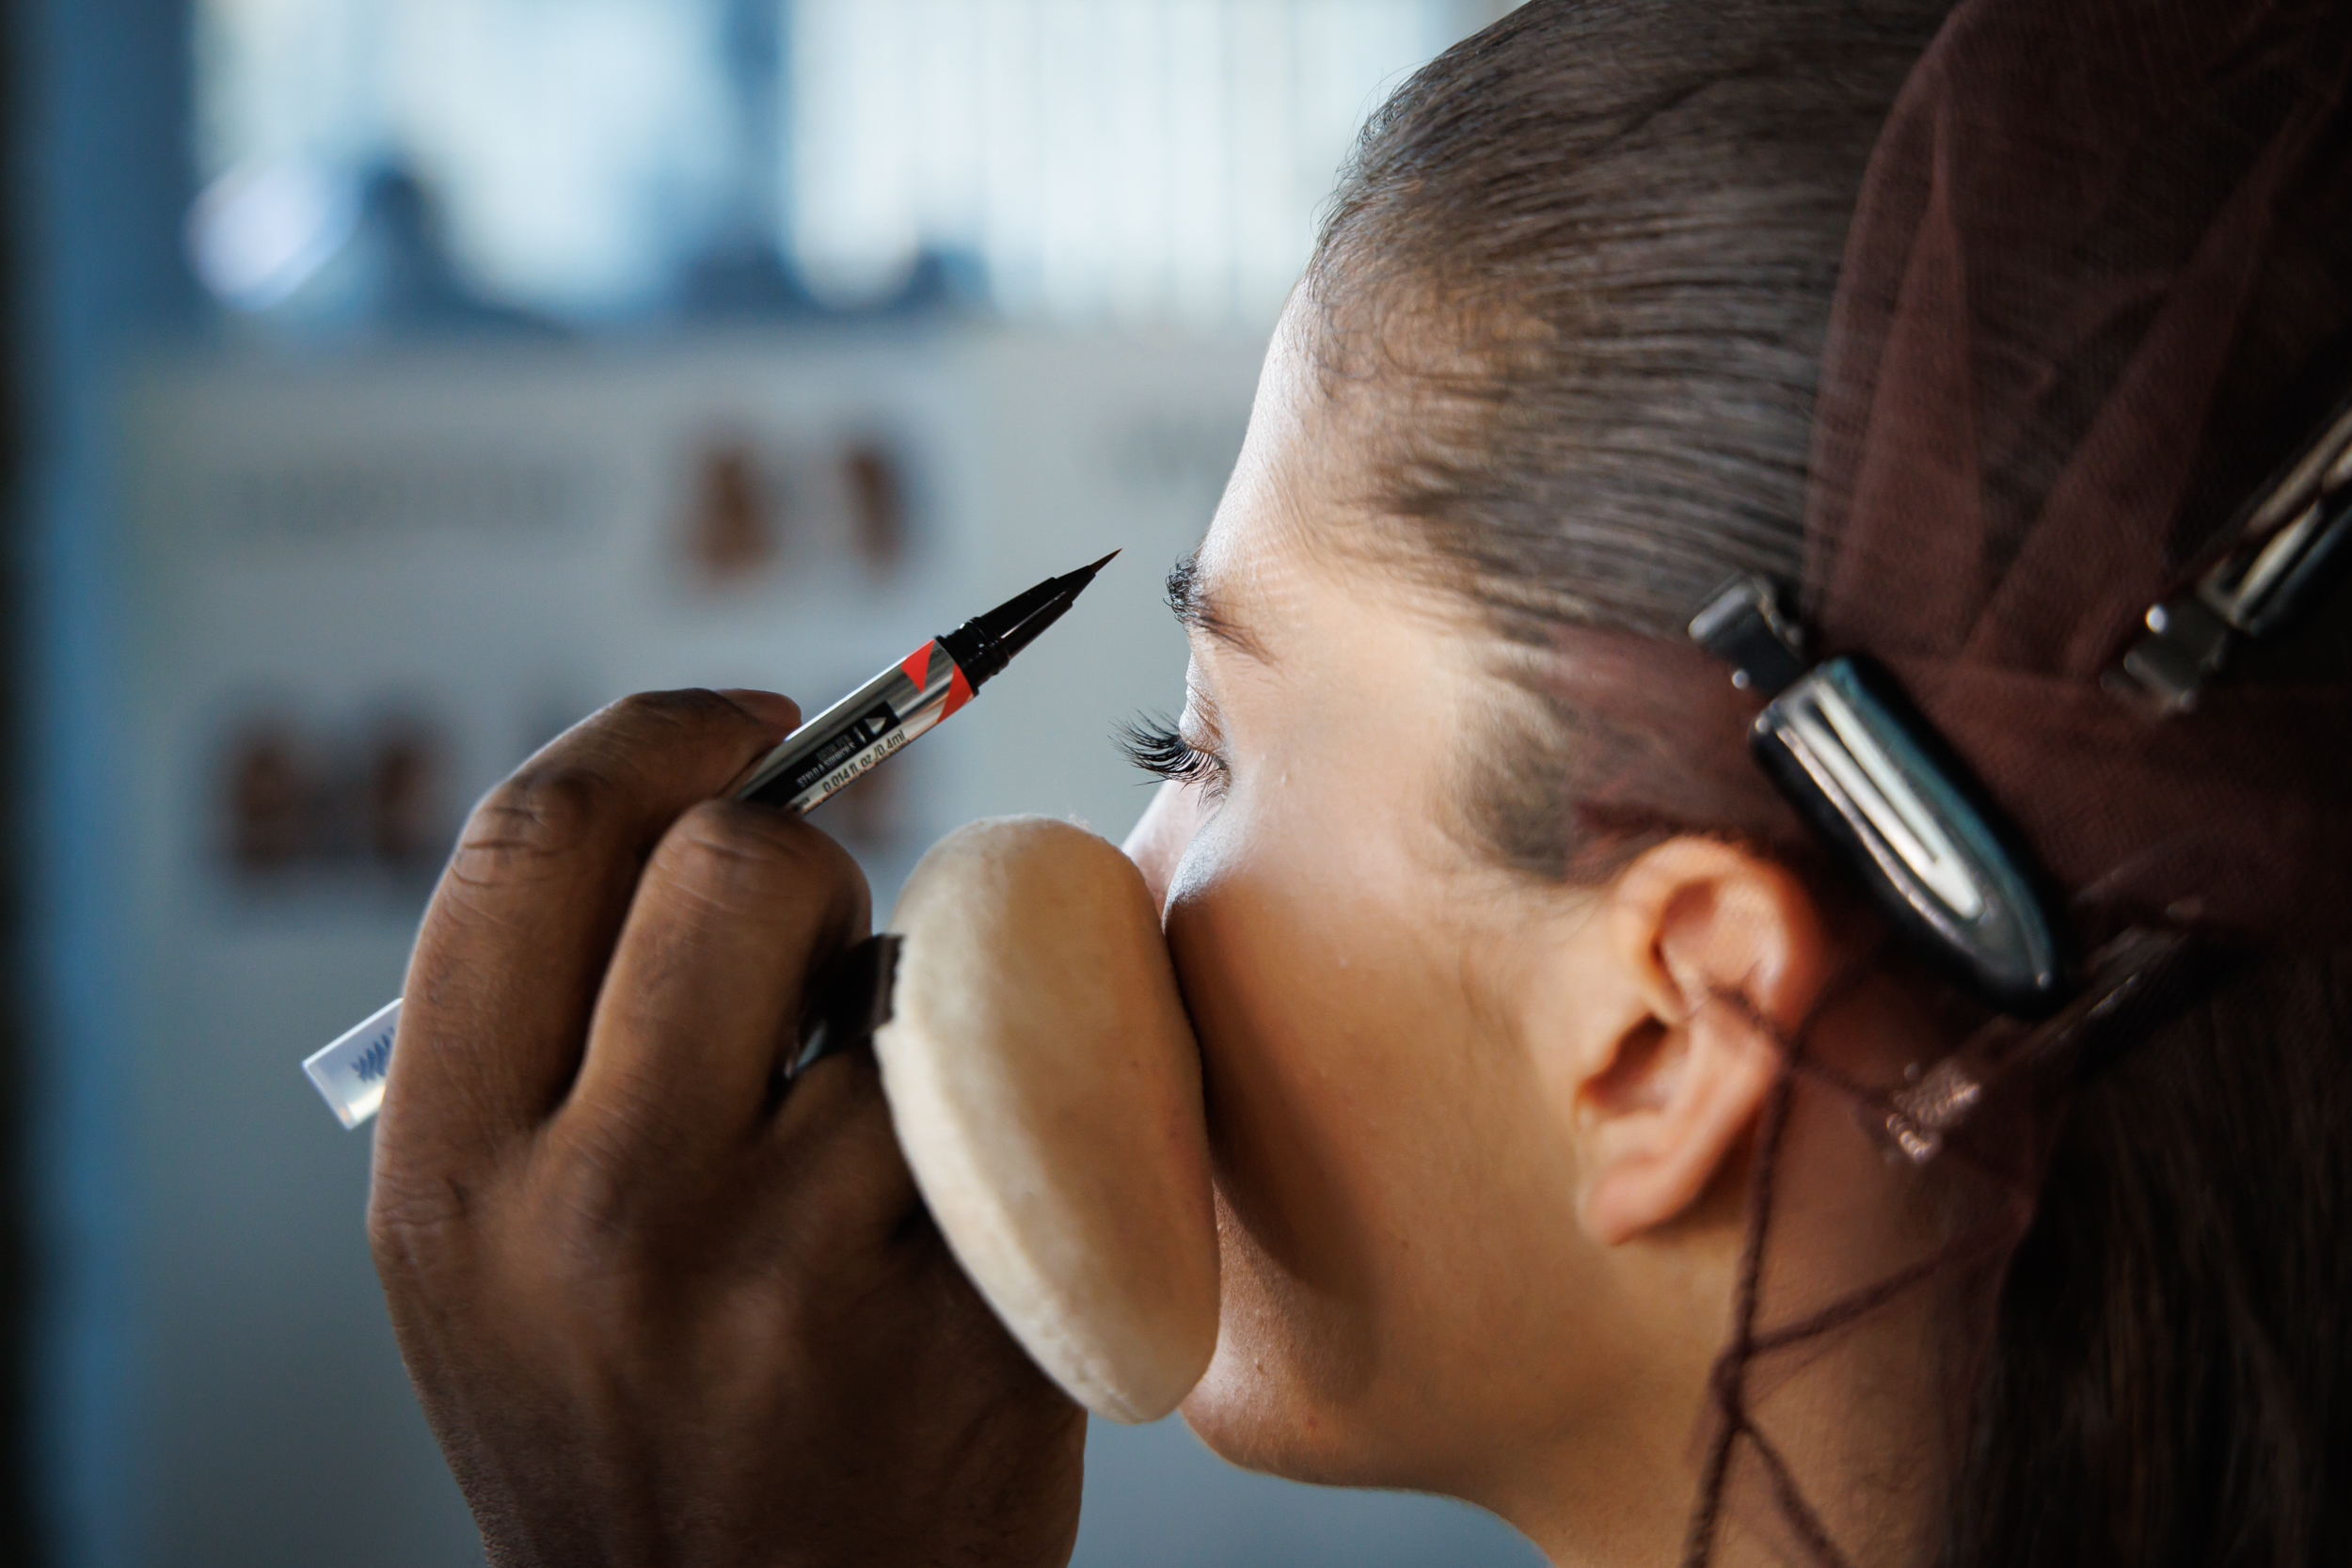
{"points": [[515, 943]]}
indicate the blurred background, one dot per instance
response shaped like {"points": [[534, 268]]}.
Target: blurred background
{"points": [[390, 382]]}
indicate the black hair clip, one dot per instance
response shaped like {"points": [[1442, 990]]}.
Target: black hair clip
{"points": [[1872, 776], [850, 999]]}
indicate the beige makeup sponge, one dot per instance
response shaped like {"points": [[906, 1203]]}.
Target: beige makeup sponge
{"points": [[1046, 1089]]}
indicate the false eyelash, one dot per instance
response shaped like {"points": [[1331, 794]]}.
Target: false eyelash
{"points": [[1152, 743]]}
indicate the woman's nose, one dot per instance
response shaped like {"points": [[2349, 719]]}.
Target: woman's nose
{"points": [[1160, 837]]}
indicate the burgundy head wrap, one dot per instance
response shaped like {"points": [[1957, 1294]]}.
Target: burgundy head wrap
{"points": [[2095, 239]]}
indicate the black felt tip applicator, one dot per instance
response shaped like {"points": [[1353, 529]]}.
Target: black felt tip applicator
{"points": [[839, 744], [809, 767], [986, 644]]}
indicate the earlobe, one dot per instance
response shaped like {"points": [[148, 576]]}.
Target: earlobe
{"points": [[1724, 951]]}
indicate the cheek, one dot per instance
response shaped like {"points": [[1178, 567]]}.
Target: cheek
{"points": [[1283, 1036], [1400, 1281], [1340, 1087]]}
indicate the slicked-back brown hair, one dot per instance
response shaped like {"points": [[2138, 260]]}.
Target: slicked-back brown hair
{"points": [[1582, 265]]}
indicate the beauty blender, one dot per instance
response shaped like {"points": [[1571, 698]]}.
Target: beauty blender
{"points": [[1046, 1089]]}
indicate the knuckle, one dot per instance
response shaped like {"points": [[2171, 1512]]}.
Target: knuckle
{"points": [[590, 1203], [416, 1224], [569, 1239], [688, 707], [588, 1206], [579, 788], [542, 813], [737, 858]]}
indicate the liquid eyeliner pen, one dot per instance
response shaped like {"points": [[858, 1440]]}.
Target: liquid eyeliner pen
{"points": [[807, 768]]}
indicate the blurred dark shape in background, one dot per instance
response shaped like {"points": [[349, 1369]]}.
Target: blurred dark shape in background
{"points": [[742, 271], [408, 816], [878, 506], [274, 802], [757, 507], [320, 252], [749, 277], [737, 513], [394, 270], [329, 254], [300, 804], [745, 268]]}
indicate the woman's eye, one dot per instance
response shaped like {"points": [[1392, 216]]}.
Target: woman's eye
{"points": [[1152, 744]]}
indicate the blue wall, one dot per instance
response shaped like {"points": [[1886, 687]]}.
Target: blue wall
{"points": [[102, 111]]}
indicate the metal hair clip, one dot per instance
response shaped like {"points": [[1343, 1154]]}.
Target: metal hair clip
{"points": [[2299, 533], [1870, 775], [2141, 975]]}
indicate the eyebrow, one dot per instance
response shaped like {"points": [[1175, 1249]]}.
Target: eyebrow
{"points": [[1198, 610]]}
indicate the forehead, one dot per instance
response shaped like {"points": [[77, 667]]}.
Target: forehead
{"points": [[1274, 591], [1284, 509]]}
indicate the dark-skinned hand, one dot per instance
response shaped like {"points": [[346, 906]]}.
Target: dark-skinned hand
{"points": [[657, 1310]]}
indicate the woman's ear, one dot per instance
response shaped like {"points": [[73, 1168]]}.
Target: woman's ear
{"points": [[1712, 949]]}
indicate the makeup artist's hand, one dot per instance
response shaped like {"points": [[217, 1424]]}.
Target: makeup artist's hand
{"points": [[654, 1316]]}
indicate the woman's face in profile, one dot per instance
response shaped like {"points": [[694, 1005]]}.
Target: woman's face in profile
{"points": [[1408, 1294]]}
